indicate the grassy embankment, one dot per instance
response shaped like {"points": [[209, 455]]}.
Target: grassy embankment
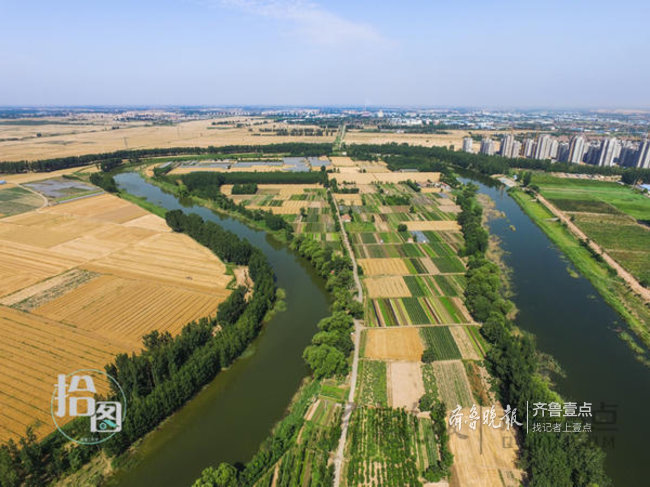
{"points": [[610, 286]]}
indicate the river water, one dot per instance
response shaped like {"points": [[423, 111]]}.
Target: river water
{"points": [[229, 419], [576, 326]]}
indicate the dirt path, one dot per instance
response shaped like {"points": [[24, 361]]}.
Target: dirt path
{"points": [[27, 188], [349, 406], [622, 273]]}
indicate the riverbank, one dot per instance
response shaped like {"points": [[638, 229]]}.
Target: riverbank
{"points": [[269, 372], [635, 313]]}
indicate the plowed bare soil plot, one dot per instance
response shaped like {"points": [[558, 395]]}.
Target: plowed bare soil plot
{"points": [[33, 350], [378, 267], [405, 384], [485, 458], [452, 382], [97, 272], [393, 344], [386, 287]]}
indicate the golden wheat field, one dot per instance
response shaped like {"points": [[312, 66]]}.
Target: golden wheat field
{"points": [[84, 280], [436, 225], [402, 343], [33, 350], [485, 457], [387, 177], [386, 287], [18, 142], [378, 267], [452, 137]]}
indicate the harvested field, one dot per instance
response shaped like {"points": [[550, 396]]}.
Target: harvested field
{"points": [[386, 287], [33, 351], [388, 177], [137, 135], [485, 458], [393, 344], [96, 275], [433, 225], [121, 310], [23, 265], [45, 291], [449, 137], [405, 385], [378, 267], [452, 382], [157, 258], [343, 161]]}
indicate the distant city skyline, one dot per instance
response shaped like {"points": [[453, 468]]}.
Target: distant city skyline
{"points": [[500, 54]]}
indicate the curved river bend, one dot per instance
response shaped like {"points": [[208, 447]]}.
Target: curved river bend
{"points": [[229, 419]]}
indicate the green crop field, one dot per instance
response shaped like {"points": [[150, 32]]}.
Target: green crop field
{"points": [[440, 340], [607, 213], [453, 384], [416, 285], [626, 241], [448, 264], [17, 200], [621, 197], [306, 462], [478, 342], [372, 383], [415, 312], [382, 449]]}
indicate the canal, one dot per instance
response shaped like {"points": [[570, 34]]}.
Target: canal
{"points": [[228, 420], [575, 325]]}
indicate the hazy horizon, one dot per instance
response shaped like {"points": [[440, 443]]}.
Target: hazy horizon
{"points": [[296, 53]]}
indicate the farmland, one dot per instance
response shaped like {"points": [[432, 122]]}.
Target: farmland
{"points": [[20, 142], [372, 383], [414, 283], [388, 287], [452, 383], [91, 277], [615, 292], [393, 344], [14, 200], [614, 216], [381, 448], [441, 341]]}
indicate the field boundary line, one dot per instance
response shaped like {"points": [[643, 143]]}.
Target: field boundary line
{"points": [[629, 279], [350, 405]]}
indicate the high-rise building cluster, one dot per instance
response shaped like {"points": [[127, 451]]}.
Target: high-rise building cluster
{"points": [[605, 152], [488, 146]]}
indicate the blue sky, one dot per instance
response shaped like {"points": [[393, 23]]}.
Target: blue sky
{"points": [[569, 53]]}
